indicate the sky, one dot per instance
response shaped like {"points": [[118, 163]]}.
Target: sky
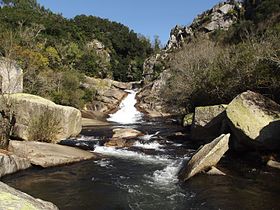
{"points": [[147, 17]]}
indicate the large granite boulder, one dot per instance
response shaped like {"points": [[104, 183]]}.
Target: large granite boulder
{"points": [[48, 155], [12, 199], [206, 157], [30, 108], [10, 163], [255, 121], [208, 122]]}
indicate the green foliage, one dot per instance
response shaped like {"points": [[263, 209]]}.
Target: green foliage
{"points": [[207, 73], [45, 127]]}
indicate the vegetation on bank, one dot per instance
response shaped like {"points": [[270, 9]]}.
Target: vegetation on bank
{"points": [[55, 53], [214, 70]]}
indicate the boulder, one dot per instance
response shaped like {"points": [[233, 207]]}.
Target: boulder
{"points": [[208, 122], [214, 171], [126, 133], [188, 120], [273, 164], [10, 163], [119, 143], [48, 155], [13, 199], [255, 121], [206, 157], [30, 108]]}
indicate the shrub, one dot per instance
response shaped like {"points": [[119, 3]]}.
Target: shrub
{"points": [[44, 127]]}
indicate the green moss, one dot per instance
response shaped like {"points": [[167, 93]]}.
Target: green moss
{"points": [[12, 202]]}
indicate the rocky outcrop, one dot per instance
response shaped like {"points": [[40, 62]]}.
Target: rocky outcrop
{"points": [[208, 122], [221, 16], [156, 68], [255, 121], [30, 108], [102, 57], [10, 163], [206, 157], [13, 199], [11, 77], [109, 94], [149, 100], [48, 155]]}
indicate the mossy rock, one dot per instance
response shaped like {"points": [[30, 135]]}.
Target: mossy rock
{"points": [[255, 120]]}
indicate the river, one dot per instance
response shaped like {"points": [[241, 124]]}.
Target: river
{"points": [[144, 176]]}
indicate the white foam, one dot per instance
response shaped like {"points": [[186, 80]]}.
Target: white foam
{"points": [[131, 155], [167, 177], [127, 114], [148, 136], [152, 145], [103, 163]]}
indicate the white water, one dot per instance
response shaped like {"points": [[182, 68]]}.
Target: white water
{"points": [[127, 114], [131, 155], [152, 145]]}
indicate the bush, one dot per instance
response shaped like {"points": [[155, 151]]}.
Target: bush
{"points": [[45, 127]]}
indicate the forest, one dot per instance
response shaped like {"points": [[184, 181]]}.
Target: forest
{"points": [[56, 53]]}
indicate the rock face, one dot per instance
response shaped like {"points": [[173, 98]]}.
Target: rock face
{"points": [[109, 94], [221, 16], [206, 157], [10, 163], [208, 122], [48, 155], [28, 108], [149, 101], [255, 120], [11, 77], [13, 199], [156, 70]]}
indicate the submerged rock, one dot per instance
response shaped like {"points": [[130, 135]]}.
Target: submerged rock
{"points": [[48, 155], [30, 108], [206, 157], [13, 199], [10, 163], [255, 121], [119, 143], [208, 122], [126, 133]]}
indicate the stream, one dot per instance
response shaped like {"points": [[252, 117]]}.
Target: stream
{"points": [[144, 176]]}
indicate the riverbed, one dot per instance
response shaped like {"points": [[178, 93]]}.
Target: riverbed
{"points": [[145, 175]]}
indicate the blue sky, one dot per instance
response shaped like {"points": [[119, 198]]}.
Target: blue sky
{"points": [[148, 17]]}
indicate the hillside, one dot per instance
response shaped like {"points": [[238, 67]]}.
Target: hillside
{"points": [[228, 49], [55, 53]]}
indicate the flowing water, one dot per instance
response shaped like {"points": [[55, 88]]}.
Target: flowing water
{"points": [[145, 175]]}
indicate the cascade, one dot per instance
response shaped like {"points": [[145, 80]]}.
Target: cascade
{"points": [[127, 113]]}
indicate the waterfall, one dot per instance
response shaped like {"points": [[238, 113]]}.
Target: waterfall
{"points": [[127, 113]]}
